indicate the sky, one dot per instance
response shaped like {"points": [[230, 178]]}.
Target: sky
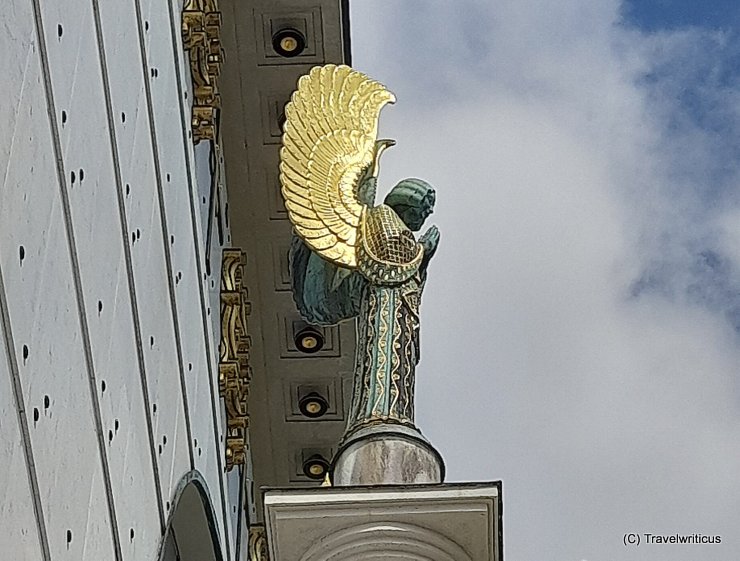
{"points": [[581, 321]]}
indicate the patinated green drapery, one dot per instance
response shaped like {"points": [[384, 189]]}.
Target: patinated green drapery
{"points": [[386, 312]]}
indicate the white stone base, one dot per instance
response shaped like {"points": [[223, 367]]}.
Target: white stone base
{"points": [[447, 522]]}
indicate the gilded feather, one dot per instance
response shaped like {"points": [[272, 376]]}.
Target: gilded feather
{"points": [[328, 146]]}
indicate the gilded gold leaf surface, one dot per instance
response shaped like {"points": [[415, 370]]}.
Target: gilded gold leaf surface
{"points": [[328, 145], [234, 370], [201, 29]]}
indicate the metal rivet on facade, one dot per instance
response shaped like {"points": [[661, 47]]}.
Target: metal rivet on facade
{"points": [[35, 415], [169, 178], [128, 189], [25, 353], [102, 386], [100, 307], [72, 176], [110, 436], [116, 424], [151, 341], [82, 174], [22, 253], [131, 534], [146, 25], [60, 30], [123, 117], [69, 538]]}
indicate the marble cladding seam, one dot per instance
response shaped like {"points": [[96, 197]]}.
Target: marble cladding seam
{"points": [[199, 241], [182, 76], [170, 201], [78, 290], [18, 527], [128, 260], [12, 360], [165, 230]]}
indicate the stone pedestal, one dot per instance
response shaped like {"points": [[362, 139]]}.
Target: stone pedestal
{"points": [[387, 454], [444, 522]]}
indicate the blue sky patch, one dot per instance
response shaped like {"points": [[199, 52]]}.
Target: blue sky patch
{"points": [[653, 15]]}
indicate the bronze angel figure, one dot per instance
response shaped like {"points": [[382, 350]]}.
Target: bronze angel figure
{"points": [[351, 258]]}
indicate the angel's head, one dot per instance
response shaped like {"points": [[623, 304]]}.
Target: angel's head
{"points": [[413, 202]]}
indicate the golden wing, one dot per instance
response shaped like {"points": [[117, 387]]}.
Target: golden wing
{"points": [[328, 145]]}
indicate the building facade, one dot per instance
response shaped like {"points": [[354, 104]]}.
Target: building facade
{"points": [[155, 374]]}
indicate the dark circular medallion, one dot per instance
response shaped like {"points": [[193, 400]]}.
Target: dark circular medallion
{"points": [[288, 42], [313, 405], [316, 467], [309, 340]]}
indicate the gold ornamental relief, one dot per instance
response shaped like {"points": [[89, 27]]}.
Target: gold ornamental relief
{"points": [[235, 341], [258, 543], [201, 36], [234, 372]]}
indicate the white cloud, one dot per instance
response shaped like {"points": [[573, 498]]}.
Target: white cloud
{"points": [[569, 179]]}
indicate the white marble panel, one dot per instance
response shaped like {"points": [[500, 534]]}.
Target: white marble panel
{"points": [[144, 234], [167, 83], [94, 211], [441, 522], [43, 311], [19, 533]]}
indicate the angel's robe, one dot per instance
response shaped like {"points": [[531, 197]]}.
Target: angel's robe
{"points": [[387, 319]]}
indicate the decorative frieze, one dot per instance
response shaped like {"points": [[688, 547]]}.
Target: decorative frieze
{"points": [[201, 31], [234, 369]]}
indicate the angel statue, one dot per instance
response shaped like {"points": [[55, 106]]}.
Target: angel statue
{"points": [[351, 258]]}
